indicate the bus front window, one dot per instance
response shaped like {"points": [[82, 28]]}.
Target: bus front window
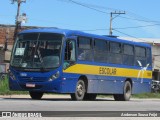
{"points": [[37, 50]]}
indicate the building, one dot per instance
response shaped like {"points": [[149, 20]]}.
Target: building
{"points": [[6, 44]]}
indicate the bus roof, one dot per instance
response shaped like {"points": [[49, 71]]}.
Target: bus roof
{"points": [[69, 33]]}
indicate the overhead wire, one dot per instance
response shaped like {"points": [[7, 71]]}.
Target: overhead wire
{"points": [[139, 19], [123, 27], [87, 6], [115, 29], [130, 35], [96, 8], [93, 7]]}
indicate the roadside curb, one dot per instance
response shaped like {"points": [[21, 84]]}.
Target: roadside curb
{"points": [[28, 96], [61, 96]]}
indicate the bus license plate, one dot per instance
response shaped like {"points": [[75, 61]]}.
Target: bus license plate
{"points": [[30, 85]]}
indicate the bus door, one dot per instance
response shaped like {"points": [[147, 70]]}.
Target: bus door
{"points": [[68, 62]]}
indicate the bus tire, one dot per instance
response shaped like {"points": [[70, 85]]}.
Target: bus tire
{"points": [[35, 95], [127, 91], [80, 91], [89, 96]]}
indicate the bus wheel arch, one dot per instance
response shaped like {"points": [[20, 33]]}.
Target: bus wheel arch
{"points": [[85, 79], [81, 89], [130, 80], [127, 89]]}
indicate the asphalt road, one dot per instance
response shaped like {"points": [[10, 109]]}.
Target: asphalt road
{"points": [[64, 103]]}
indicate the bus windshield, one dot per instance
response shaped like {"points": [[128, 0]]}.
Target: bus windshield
{"points": [[37, 51]]}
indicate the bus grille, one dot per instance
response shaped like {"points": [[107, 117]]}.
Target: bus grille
{"points": [[33, 79]]}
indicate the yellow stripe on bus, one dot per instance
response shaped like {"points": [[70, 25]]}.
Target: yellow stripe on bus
{"points": [[108, 71]]}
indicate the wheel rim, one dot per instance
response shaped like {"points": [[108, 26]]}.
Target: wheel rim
{"points": [[80, 90], [128, 91]]}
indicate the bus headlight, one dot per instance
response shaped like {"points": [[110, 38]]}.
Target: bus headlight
{"points": [[12, 76], [54, 76]]}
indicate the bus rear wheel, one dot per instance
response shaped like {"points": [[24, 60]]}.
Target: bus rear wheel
{"points": [[80, 91], [36, 95], [127, 91]]}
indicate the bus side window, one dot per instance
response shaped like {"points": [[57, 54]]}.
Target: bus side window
{"points": [[149, 57], [140, 56], [85, 49], [128, 54], [115, 53]]}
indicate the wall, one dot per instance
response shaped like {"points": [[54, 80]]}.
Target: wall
{"points": [[6, 33], [156, 56], [6, 36]]}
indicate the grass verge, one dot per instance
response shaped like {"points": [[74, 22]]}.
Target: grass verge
{"points": [[4, 88], [147, 95]]}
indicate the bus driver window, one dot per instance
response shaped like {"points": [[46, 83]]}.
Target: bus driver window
{"points": [[70, 54]]}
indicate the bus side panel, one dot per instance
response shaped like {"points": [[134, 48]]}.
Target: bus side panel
{"points": [[92, 86], [69, 82], [141, 87], [119, 84], [106, 85], [115, 85]]}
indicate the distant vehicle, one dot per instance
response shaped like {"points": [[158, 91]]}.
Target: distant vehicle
{"points": [[80, 64], [155, 86]]}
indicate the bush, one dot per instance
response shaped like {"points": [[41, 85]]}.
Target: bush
{"points": [[4, 88]]}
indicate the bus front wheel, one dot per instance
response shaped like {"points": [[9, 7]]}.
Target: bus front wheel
{"points": [[80, 91], [127, 91], [36, 95]]}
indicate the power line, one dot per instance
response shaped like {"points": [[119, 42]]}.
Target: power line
{"points": [[138, 26], [131, 36], [121, 33], [140, 20], [101, 7], [132, 27], [137, 16], [87, 6], [93, 7], [50, 21]]}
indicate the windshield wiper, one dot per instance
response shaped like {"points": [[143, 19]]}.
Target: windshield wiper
{"points": [[41, 60]]}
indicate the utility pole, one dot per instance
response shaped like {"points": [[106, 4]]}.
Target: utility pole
{"points": [[111, 19], [18, 17], [6, 39]]}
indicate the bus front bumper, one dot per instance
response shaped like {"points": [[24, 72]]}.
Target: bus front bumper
{"points": [[47, 86]]}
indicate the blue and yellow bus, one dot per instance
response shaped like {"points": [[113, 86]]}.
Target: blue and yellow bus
{"points": [[80, 64]]}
